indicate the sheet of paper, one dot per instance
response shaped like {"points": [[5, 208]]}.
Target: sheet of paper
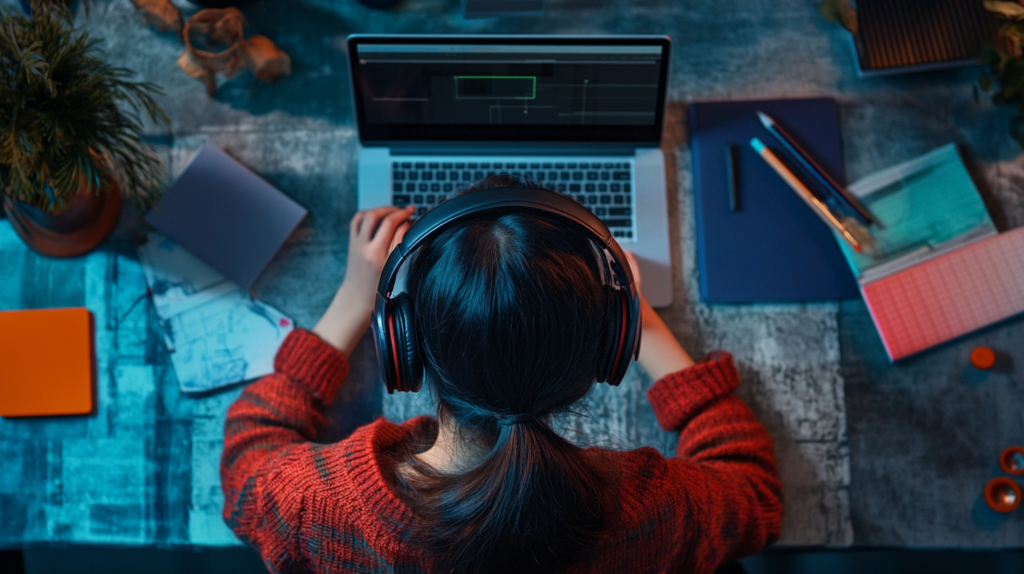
{"points": [[178, 280], [925, 205], [224, 341], [216, 333]]}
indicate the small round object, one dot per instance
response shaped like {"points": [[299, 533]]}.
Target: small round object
{"points": [[983, 358], [1012, 460], [1002, 494]]}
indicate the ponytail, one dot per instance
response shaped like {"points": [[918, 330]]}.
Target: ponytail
{"points": [[533, 504]]}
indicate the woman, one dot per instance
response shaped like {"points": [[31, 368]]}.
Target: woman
{"points": [[512, 309]]}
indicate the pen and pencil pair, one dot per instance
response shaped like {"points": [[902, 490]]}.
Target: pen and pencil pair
{"points": [[805, 194], [853, 232], [806, 161]]}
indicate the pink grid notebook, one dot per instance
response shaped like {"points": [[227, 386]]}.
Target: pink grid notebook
{"points": [[951, 295]]}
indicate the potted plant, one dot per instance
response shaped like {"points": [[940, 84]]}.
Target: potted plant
{"points": [[1005, 74], [71, 139]]}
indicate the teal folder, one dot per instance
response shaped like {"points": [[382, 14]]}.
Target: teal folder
{"points": [[774, 248]]}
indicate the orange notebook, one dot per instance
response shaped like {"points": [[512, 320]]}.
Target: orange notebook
{"points": [[46, 362]]}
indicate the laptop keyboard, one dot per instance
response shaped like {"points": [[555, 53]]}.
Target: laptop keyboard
{"points": [[605, 187]]}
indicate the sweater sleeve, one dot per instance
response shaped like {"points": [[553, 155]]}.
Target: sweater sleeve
{"points": [[267, 442], [740, 496]]}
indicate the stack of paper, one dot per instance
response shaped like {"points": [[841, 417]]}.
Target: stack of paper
{"points": [[217, 334]]}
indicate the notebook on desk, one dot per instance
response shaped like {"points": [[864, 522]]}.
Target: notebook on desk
{"points": [[47, 362], [773, 248], [226, 215], [939, 268]]}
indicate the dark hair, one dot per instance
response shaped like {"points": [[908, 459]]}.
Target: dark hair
{"points": [[511, 311]]}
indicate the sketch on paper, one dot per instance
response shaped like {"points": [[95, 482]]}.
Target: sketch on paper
{"points": [[230, 339], [217, 334]]}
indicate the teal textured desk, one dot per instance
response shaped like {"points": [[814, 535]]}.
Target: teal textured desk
{"points": [[870, 453]]}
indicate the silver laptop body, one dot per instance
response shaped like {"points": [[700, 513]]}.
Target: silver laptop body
{"points": [[582, 114]]}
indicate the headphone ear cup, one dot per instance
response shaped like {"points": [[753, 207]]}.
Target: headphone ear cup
{"points": [[407, 344], [611, 338], [620, 350], [382, 337]]}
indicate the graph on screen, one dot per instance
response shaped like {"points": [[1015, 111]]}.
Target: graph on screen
{"points": [[502, 85]]}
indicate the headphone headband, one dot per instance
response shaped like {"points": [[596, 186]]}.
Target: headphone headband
{"points": [[500, 200], [395, 333]]}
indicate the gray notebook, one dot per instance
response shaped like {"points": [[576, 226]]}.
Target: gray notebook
{"points": [[226, 215]]}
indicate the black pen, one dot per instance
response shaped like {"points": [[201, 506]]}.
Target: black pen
{"points": [[732, 175], [810, 165]]}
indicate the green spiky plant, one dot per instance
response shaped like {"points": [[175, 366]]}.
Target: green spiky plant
{"points": [[1005, 73], [65, 4], [70, 122]]}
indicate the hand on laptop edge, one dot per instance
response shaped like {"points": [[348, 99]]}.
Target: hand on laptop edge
{"points": [[660, 351]]}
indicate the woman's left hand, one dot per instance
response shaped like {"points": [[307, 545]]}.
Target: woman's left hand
{"points": [[372, 236]]}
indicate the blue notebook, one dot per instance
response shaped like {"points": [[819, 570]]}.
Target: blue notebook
{"points": [[774, 248]]}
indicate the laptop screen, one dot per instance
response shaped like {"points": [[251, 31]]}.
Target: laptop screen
{"points": [[495, 88]]}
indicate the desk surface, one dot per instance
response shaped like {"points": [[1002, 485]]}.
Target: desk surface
{"points": [[870, 453]]}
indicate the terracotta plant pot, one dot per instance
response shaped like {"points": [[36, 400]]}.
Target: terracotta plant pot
{"points": [[222, 3], [80, 228]]}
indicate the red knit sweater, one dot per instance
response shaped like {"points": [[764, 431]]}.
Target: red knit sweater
{"points": [[311, 507]]}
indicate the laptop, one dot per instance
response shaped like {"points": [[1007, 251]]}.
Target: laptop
{"points": [[581, 114]]}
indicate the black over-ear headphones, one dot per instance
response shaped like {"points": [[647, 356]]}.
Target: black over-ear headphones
{"points": [[394, 320]]}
